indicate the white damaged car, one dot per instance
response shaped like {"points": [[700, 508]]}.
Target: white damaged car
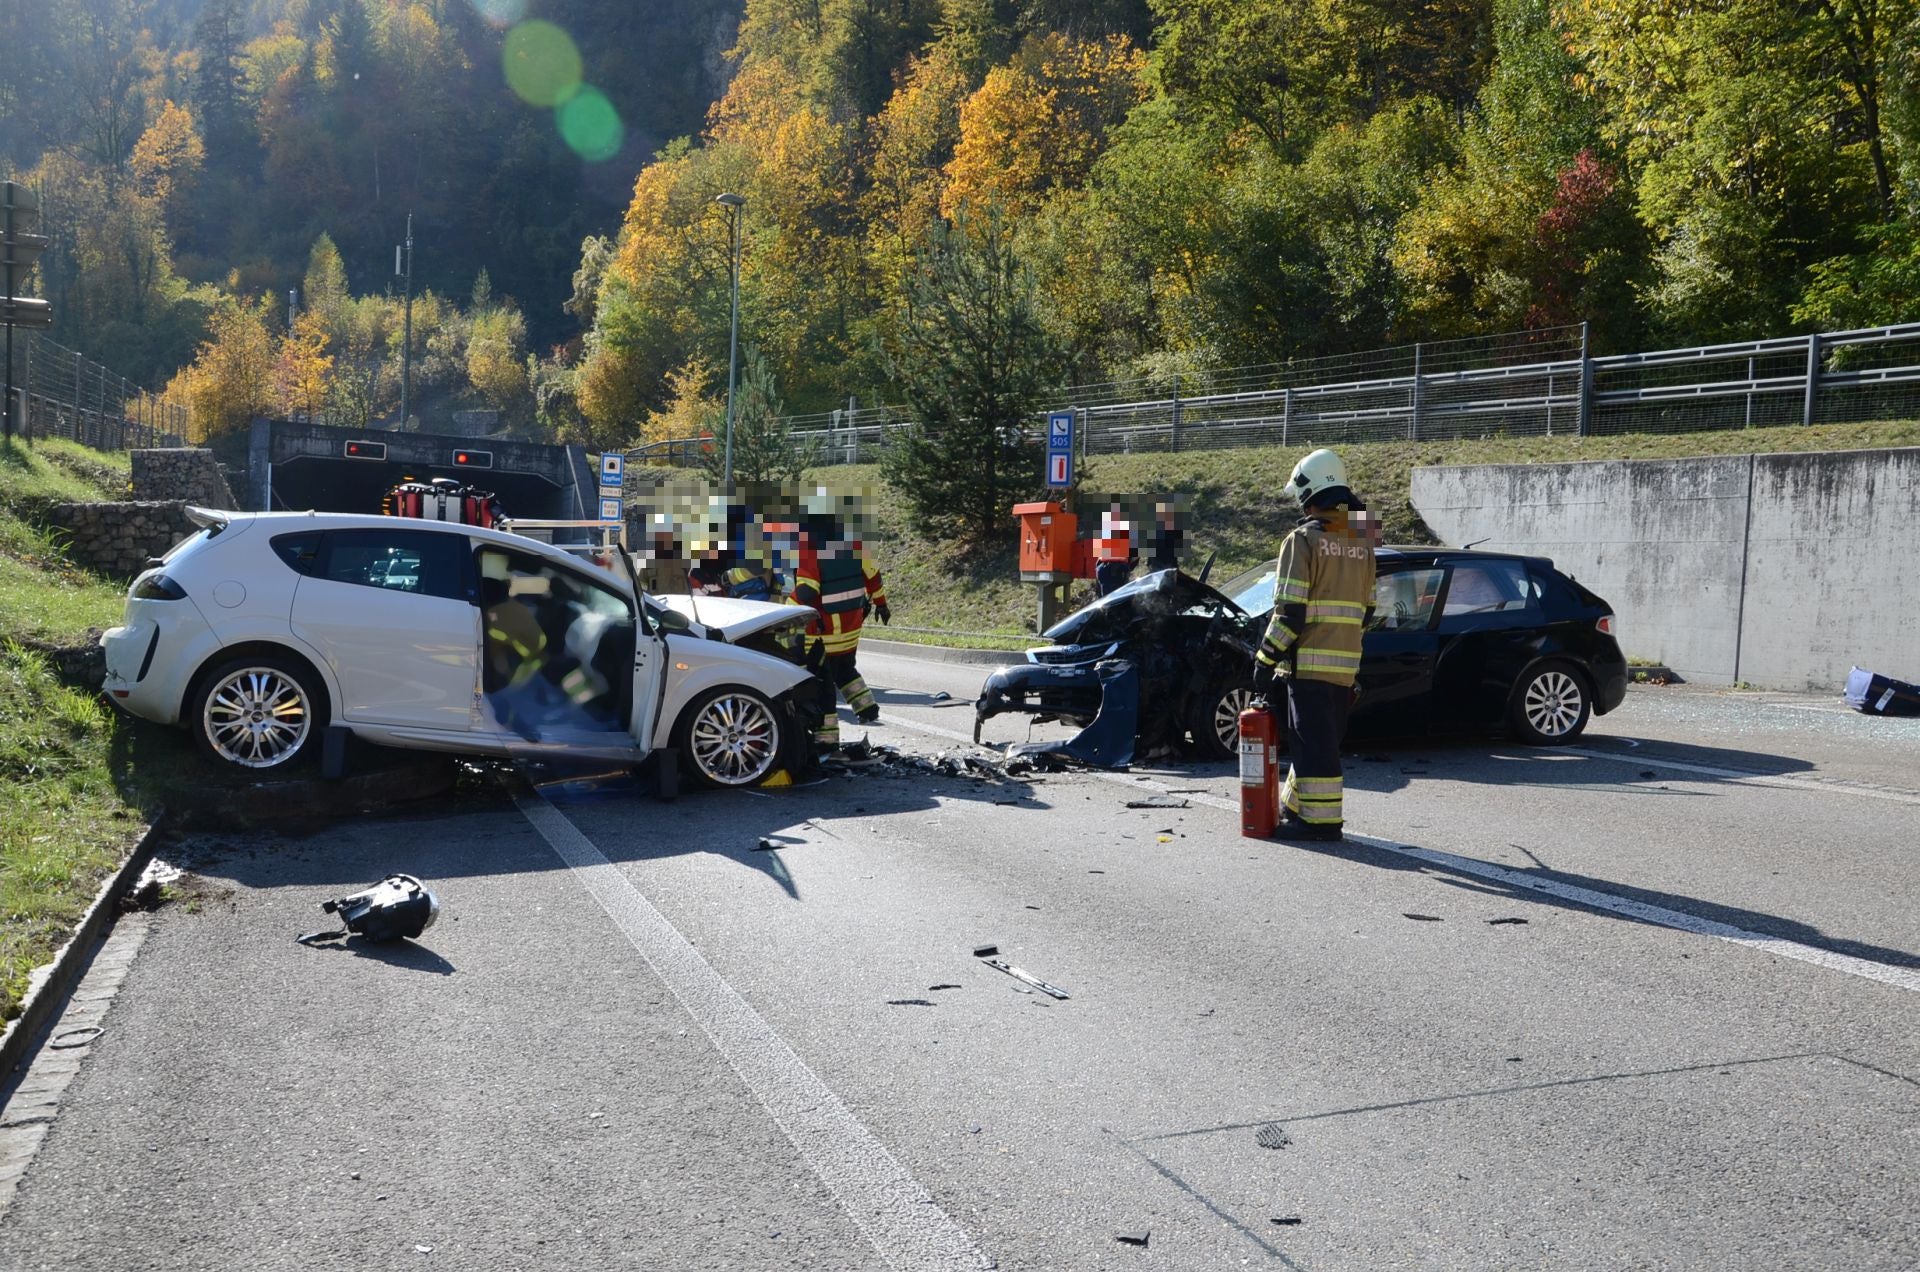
{"points": [[262, 629]]}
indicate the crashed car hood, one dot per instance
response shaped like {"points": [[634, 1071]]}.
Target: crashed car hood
{"points": [[734, 619], [1170, 591]]}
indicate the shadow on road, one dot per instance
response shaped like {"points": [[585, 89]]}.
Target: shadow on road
{"points": [[404, 954], [1469, 879]]}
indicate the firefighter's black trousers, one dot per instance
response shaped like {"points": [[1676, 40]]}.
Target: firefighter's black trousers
{"points": [[1316, 725]]}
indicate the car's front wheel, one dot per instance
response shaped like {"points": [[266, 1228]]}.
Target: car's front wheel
{"points": [[258, 712], [731, 737], [1550, 705], [1215, 720]]}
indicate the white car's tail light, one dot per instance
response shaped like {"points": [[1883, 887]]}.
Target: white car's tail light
{"points": [[1605, 624], [158, 587]]}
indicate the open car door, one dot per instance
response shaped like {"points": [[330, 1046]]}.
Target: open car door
{"points": [[649, 660]]}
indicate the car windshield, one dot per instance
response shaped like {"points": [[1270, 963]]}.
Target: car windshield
{"points": [[1251, 590]]}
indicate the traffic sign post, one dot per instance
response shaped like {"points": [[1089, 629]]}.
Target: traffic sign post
{"points": [[1060, 426]]}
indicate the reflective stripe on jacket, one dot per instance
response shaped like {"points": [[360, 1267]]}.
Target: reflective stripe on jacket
{"points": [[1323, 582]]}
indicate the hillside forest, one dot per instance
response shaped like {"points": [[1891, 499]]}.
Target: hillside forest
{"points": [[1178, 185]]}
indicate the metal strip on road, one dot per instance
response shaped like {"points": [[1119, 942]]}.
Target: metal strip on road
{"points": [[1899, 977], [894, 1211]]}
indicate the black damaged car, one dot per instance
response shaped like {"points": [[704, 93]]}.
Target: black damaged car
{"points": [[1461, 642]]}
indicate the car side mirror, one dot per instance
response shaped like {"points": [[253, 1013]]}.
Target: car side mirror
{"points": [[675, 621]]}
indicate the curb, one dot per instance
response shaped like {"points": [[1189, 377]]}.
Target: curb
{"points": [[943, 653], [50, 984]]}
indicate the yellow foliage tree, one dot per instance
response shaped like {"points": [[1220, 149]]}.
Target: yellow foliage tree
{"points": [[692, 409], [496, 357], [1040, 121], [168, 156], [302, 372], [231, 377]]}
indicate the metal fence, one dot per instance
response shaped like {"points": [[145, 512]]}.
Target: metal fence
{"points": [[59, 392], [1535, 383]]}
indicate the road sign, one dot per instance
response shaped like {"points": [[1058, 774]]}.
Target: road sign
{"points": [[1060, 449], [610, 510], [613, 470], [24, 311]]}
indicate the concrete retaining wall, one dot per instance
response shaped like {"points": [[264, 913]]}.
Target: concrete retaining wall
{"points": [[117, 538], [1777, 570]]}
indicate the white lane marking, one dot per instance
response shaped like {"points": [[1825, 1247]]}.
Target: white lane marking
{"points": [[897, 1214], [1900, 977], [1781, 781]]}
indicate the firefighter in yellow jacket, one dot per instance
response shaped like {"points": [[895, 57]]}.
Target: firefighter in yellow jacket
{"points": [[1322, 599], [834, 578]]}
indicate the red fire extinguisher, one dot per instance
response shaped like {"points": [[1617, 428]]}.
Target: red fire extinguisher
{"points": [[1259, 771]]}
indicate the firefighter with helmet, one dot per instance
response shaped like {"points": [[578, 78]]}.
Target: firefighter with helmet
{"points": [[1322, 599], [833, 577]]}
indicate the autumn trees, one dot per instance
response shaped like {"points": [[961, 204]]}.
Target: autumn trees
{"points": [[1187, 183]]}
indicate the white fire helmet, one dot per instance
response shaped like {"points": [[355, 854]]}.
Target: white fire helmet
{"points": [[1322, 470]]}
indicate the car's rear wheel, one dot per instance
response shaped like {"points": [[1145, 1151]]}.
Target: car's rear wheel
{"points": [[258, 712], [730, 737], [1550, 705], [1215, 719]]}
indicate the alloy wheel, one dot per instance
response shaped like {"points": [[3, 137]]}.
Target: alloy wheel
{"points": [[1226, 716], [256, 717], [1554, 703], [734, 740]]}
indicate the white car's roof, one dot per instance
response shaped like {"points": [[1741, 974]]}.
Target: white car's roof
{"points": [[280, 522]]}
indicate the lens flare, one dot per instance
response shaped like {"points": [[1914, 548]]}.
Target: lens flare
{"points": [[542, 63], [591, 125], [501, 13]]}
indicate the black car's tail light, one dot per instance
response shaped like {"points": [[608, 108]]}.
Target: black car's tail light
{"points": [[1605, 624], [158, 587]]}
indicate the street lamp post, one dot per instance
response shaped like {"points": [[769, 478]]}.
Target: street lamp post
{"points": [[735, 204]]}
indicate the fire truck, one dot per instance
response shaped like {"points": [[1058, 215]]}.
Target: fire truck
{"points": [[443, 499]]}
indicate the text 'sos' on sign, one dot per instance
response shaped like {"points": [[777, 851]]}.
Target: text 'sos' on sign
{"points": [[1060, 449]]}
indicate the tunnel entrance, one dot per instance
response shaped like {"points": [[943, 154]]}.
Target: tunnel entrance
{"points": [[294, 467], [330, 485]]}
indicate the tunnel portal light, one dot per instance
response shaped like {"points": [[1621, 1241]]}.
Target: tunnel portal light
{"points": [[472, 459], [366, 450]]}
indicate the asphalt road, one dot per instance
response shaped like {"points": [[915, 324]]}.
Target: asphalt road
{"points": [[1648, 1002]]}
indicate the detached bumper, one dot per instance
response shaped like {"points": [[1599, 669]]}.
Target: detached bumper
{"points": [[1109, 692]]}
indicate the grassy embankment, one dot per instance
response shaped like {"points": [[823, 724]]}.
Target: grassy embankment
{"points": [[64, 822], [1240, 509]]}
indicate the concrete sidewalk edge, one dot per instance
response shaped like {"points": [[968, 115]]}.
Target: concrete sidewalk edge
{"points": [[942, 653], [51, 983]]}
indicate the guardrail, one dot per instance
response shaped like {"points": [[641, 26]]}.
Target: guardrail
{"points": [[62, 393], [1523, 384]]}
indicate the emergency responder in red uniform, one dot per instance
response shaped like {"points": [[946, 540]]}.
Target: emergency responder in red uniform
{"points": [[1322, 598], [834, 578]]}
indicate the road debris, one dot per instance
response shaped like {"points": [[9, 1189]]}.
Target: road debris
{"points": [[1001, 965], [1498, 922], [909, 1002], [152, 886], [985, 951], [1272, 1135], [1133, 1238], [1158, 801], [931, 988], [397, 907], [1424, 918], [1285, 1221]]}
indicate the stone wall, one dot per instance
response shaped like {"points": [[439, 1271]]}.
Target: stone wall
{"points": [[1778, 570], [117, 538], [192, 476]]}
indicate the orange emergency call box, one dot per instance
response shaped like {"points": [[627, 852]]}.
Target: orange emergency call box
{"points": [[1047, 535]]}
